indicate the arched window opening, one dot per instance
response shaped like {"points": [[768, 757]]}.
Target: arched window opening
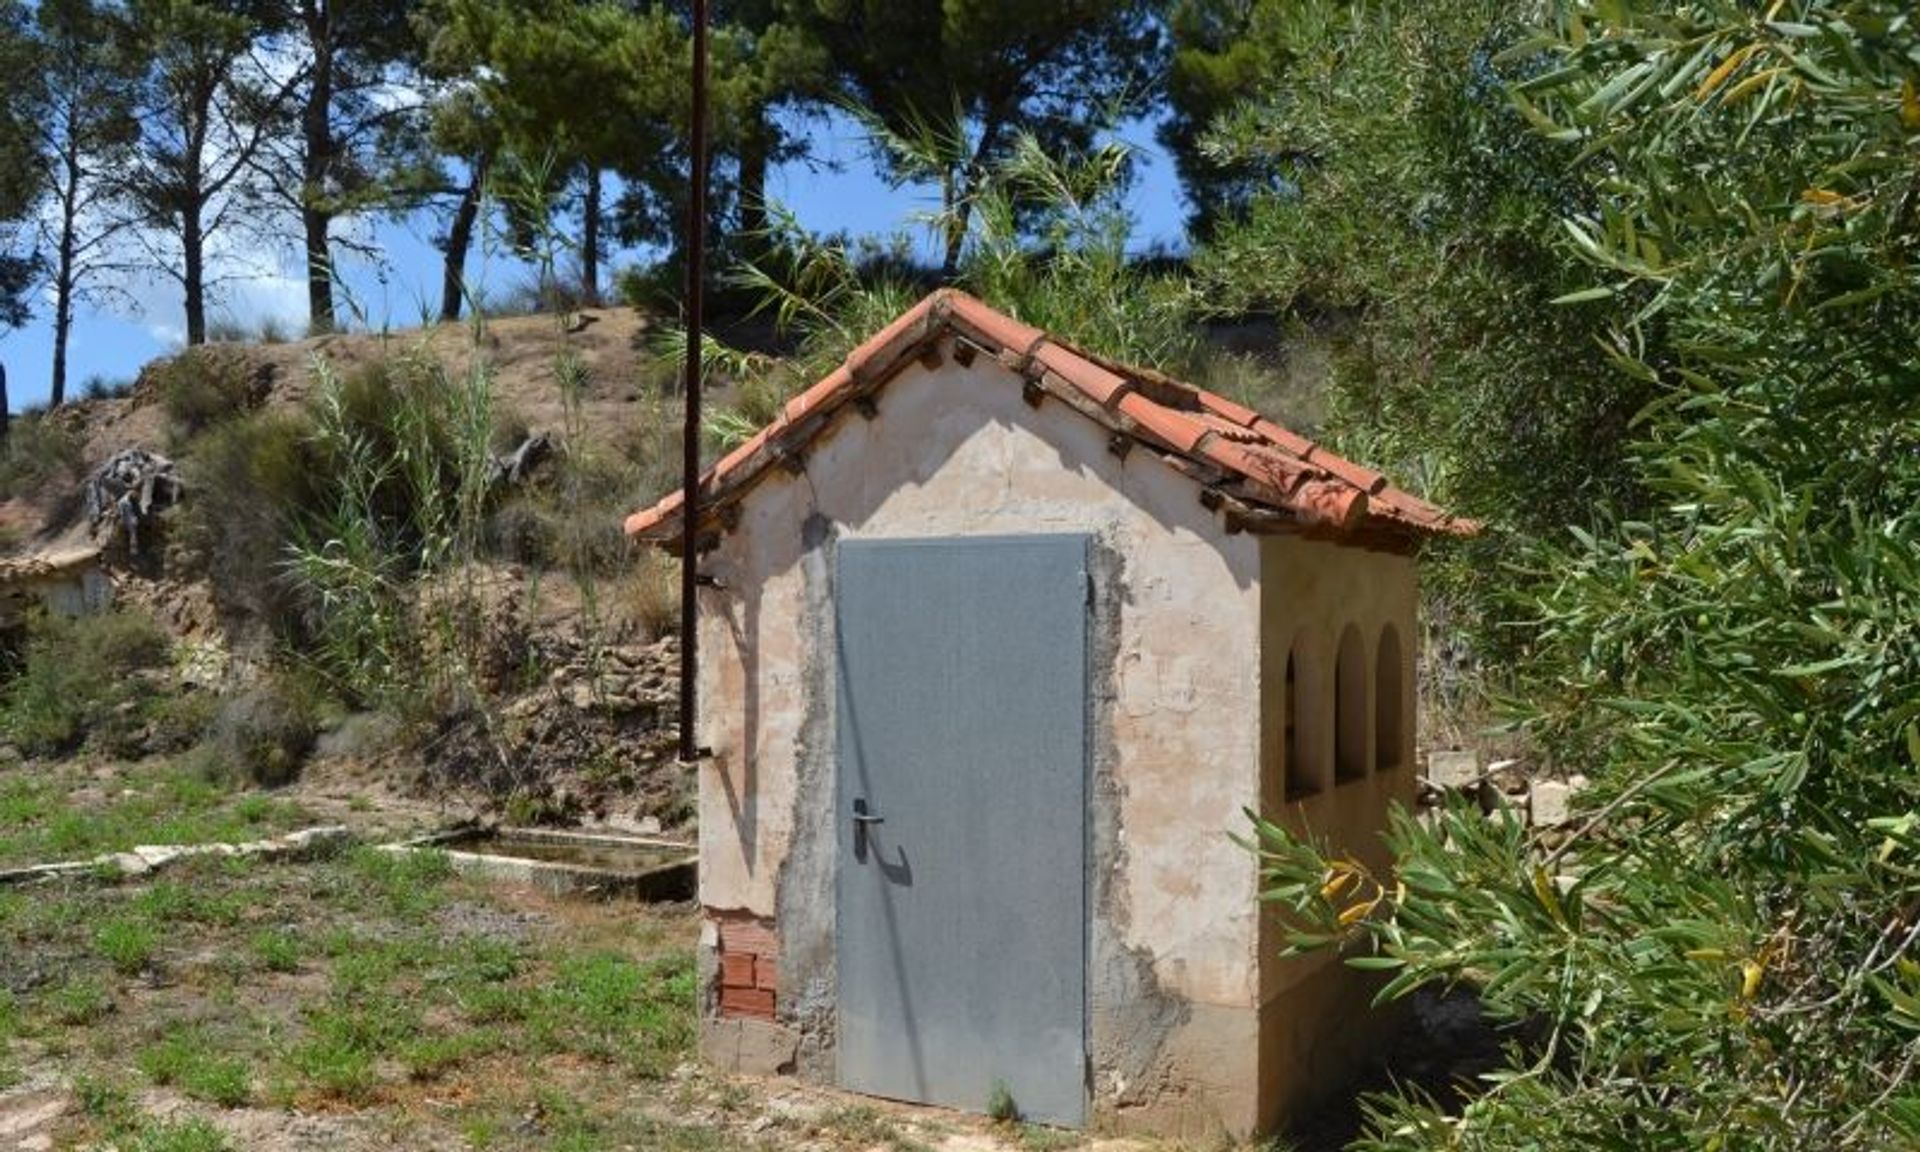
{"points": [[1389, 687], [1303, 776], [1350, 708]]}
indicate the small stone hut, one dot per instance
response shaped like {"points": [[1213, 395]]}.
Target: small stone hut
{"points": [[998, 642]]}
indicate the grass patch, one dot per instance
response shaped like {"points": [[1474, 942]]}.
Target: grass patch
{"points": [[78, 1002], [187, 1059], [173, 902], [277, 950], [610, 1007], [10, 1073], [171, 803], [127, 943], [345, 1042], [180, 1136], [409, 884]]}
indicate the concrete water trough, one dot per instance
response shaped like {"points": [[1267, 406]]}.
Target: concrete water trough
{"points": [[593, 864]]}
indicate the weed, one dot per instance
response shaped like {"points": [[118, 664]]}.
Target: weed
{"points": [[105, 1102], [410, 883], [187, 1060], [345, 1042], [194, 1135], [277, 950], [254, 809], [1038, 1138], [9, 1025], [431, 1057], [867, 1127], [605, 1005], [78, 1002], [127, 944], [23, 800], [173, 902], [487, 960], [1001, 1105], [649, 593]]}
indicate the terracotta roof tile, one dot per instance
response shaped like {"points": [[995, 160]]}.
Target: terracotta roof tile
{"points": [[1228, 410], [1105, 387], [1277, 476], [1177, 430]]}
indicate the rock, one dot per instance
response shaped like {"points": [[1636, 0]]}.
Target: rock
{"points": [[1510, 776], [1453, 769], [1551, 803], [650, 826], [131, 864]]}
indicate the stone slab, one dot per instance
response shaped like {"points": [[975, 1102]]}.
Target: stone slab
{"points": [[1454, 769]]}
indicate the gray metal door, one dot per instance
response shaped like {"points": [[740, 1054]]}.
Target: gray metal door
{"points": [[961, 812]]}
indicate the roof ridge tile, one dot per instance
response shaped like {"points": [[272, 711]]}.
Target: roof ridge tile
{"points": [[1206, 434]]}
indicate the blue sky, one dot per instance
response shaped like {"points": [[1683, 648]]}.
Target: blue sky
{"points": [[836, 192]]}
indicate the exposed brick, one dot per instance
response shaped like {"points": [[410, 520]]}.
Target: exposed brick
{"points": [[767, 974], [748, 936], [753, 1003], [736, 970]]}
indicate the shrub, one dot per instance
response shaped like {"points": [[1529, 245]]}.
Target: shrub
{"points": [[39, 454], [649, 594], [206, 386], [76, 675], [265, 734], [1721, 953], [252, 479]]}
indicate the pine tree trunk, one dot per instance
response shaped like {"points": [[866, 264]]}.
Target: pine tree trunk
{"points": [[193, 275], [316, 128], [459, 241], [590, 240], [63, 277], [753, 191]]}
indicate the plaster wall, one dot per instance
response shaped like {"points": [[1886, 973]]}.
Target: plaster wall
{"points": [[1175, 679], [1316, 1026]]}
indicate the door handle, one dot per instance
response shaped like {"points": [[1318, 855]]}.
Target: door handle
{"points": [[862, 819]]}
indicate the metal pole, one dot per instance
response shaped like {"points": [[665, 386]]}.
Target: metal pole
{"points": [[690, 442]]}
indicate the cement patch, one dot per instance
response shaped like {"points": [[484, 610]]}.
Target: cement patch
{"points": [[750, 1047]]}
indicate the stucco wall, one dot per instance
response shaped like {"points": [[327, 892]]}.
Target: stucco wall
{"points": [[1315, 1022], [954, 450]]}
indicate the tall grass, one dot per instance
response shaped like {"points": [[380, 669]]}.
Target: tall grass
{"points": [[384, 564]]}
